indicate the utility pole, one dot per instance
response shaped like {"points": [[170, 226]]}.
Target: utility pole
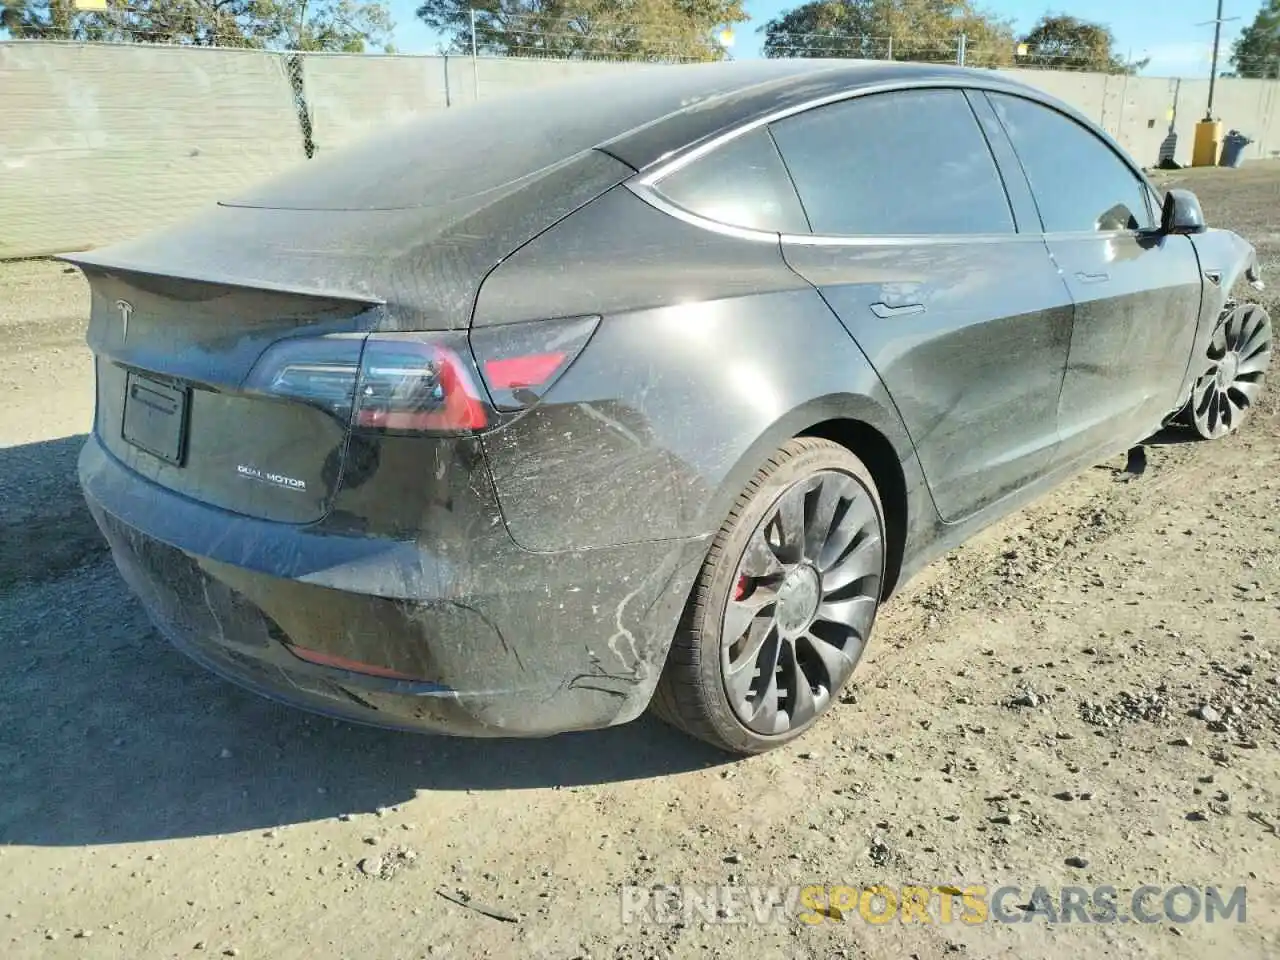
{"points": [[1217, 22], [302, 24], [1213, 69], [475, 64]]}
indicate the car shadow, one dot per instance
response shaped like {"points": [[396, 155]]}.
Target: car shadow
{"points": [[1172, 435], [1135, 465], [109, 735]]}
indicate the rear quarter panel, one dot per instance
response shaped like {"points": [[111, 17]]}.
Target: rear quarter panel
{"points": [[711, 353]]}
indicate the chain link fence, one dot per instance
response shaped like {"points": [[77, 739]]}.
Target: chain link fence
{"points": [[584, 36]]}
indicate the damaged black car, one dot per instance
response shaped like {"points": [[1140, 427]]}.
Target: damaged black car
{"points": [[527, 415]]}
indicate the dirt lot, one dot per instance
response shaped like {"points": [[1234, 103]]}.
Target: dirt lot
{"points": [[1035, 697]]}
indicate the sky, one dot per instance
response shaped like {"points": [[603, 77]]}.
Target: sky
{"points": [[1164, 30]]}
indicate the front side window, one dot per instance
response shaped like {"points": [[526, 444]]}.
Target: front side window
{"points": [[891, 164], [742, 184], [1079, 182]]}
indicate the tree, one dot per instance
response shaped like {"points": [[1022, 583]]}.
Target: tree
{"points": [[1062, 42], [633, 29], [902, 29], [1257, 51], [347, 25]]}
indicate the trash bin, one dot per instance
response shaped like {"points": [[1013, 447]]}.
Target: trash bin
{"points": [[1233, 145]]}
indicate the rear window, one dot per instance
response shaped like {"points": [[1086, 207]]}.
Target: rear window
{"points": [[741, 184]]}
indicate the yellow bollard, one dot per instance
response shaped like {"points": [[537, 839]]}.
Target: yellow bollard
{"points": [[1208, 143]]}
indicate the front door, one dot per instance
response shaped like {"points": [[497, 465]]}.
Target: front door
{"points": [[1137, 292]]}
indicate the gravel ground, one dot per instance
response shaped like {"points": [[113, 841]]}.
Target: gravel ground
{"points": [[1084, 695]]}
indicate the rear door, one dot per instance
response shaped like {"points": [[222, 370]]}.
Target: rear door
{"points": [[1137, 292], [915, 245]]}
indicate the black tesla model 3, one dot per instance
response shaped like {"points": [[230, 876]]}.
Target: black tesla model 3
{"points": [[643, 389]]}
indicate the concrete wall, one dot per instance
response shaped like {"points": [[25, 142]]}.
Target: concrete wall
{"points": [[98, 143], [497, 76], [1140, 111], [349, 96]]}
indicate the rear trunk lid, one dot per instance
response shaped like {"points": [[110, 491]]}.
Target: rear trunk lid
{"points": [[205, 301], [172, 359], [426, 263]]}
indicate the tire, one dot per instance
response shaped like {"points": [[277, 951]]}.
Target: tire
{"points": [[798, 565], [1234, 370]]}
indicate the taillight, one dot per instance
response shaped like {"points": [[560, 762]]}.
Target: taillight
{"points": [[320, 371], [423, 382], [411, 385], [520, 361]]}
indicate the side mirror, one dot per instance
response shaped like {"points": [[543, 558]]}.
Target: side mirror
{"points": [[1182, 213]]}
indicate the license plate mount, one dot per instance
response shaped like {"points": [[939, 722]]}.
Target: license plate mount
{"points": [[155, 417]]}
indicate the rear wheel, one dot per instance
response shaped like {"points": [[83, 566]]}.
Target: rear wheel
{"points": [[784, 603], [1235, 366]]}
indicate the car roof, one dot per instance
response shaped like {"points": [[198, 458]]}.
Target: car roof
{"points": [[638, 114], [751, 90]]}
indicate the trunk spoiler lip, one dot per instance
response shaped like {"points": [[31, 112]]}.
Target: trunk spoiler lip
{"points": [[87, 259]]}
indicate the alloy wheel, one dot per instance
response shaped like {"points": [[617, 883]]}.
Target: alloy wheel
{"points": [[803, 602], [1238, 357]]}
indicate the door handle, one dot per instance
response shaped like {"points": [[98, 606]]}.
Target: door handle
{"points": [[1093, 277], [884, 311]]}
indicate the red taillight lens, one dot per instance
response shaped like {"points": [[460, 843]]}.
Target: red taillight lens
{"points": [[423, 382], [408, 384], [390, 383], [514, 373], [520, 362]]}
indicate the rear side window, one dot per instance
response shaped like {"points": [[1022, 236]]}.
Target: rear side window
{"points": [[893, 164], [742, 184], [1079, 182]]}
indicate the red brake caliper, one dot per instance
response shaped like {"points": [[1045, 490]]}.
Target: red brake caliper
{"points": [[740, 588]]}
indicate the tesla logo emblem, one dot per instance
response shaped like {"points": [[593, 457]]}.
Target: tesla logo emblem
{"points": [[126, 311]]}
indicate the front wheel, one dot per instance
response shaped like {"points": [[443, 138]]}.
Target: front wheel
{"points": [[784, 604], [1235, 366]]}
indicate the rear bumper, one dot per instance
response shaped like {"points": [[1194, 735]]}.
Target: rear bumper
{"points": [[508, 643]]}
